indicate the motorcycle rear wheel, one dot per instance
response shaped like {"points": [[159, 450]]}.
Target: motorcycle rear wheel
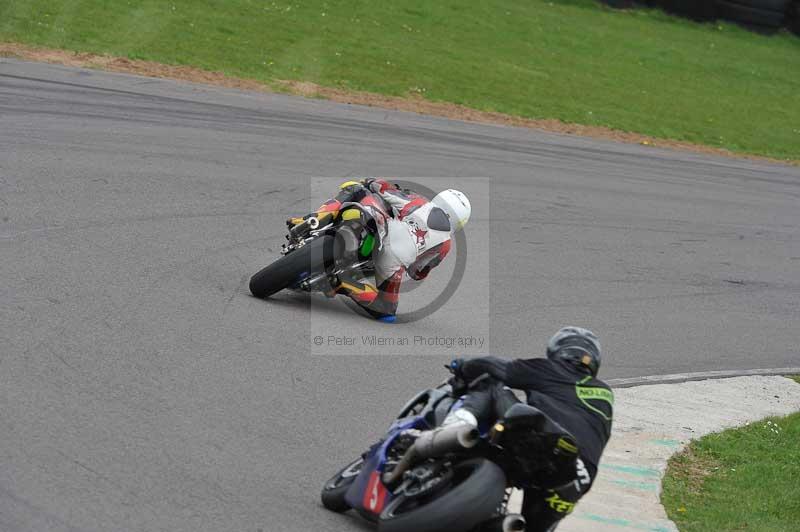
{"points": [[478, 489], [315, 257]]}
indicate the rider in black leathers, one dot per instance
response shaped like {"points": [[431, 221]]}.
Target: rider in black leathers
{"points": [[564, 386]]}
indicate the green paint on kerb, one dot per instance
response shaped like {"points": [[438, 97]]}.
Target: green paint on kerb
{"points": [[633, 470], [623, 522], [636, 484], [666, 443]]}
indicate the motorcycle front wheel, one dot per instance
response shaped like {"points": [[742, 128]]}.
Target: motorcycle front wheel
{"points": [[476, 490], [335, 489], [314, 257]]}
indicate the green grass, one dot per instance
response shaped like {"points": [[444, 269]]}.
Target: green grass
{"points": [[741, 479], [796, 378], [574, 60]]}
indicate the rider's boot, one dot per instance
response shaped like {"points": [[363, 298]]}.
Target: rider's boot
{"points": [[358, 290], [460, 416]]}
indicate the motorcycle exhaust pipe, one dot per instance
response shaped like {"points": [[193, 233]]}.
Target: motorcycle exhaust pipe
{"points": [[514, 523], [445, 439], [507, 523], [431, 444]]}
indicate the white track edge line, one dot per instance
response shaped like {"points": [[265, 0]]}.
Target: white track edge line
{"points": [[701, 375]]}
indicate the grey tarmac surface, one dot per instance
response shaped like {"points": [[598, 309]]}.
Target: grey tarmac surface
{"points": [[142, 388]]}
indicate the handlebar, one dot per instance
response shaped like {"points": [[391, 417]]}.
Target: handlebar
{"points": [[309, 224]]}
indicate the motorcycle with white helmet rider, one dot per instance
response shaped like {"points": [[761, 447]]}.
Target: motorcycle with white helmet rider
{"points": [[414, 232]]}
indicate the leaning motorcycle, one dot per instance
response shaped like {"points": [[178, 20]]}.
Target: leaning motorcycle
{"points": [[315, 253], [454, 478]]}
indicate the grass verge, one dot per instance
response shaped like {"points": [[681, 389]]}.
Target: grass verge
{"points": [[571, 60], [795, 378], [740, 479]]}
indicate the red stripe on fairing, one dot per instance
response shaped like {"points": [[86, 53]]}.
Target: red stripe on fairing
{"points": [[375, 494], [330, 206], [444, 248], [411, 206], [371, 202]]}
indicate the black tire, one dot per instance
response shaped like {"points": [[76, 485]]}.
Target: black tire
{"points": [[794, 18], [314, 257], [749, 15], [336, 487], [687, 8], [459, 509], [779, 6], [619, 4]]}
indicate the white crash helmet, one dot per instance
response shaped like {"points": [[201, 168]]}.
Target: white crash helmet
{"points": [[456, 205]]}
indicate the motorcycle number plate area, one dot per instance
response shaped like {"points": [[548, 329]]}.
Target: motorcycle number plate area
{"points": [[375, 495]]}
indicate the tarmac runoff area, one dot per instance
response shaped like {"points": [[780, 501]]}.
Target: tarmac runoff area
{"points": [[654, 422], [134, 356]]}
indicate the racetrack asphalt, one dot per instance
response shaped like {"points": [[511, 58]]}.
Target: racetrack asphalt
{"points": [[142, 388]]}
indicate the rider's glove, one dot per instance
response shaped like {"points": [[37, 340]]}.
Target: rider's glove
{"points": [[368, 181], [457, 381], [456, 366], [378, 185], [291, 222]]}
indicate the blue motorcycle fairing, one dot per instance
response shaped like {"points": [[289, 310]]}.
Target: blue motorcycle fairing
{"points": [[369, 478], [376, 462]]}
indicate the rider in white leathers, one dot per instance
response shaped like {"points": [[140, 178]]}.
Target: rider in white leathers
{"points": [[415, 235]]}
